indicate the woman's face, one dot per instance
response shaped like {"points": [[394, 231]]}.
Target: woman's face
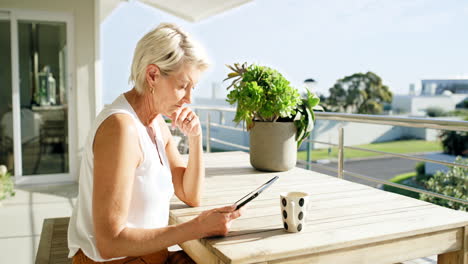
{"points": [[173, 91]]}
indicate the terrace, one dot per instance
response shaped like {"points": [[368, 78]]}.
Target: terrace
{"points": [[41, 139], [24, 214]]}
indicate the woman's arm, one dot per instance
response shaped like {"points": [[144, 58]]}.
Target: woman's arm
{"points": [[187, 179], [117, 153]]}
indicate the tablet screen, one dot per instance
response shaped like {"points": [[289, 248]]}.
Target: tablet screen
{"points": [[249, 197]]}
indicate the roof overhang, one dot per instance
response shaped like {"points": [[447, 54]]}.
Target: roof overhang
{"points": [[195, 10]]}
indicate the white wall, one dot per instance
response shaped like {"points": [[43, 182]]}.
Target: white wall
{"points": [[421, 103], [417, 105], [401, 103]]}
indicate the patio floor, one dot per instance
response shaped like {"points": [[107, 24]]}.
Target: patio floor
{"points": [[22, 217]]}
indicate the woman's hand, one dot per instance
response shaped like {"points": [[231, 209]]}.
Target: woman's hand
{"points": [[216, 222], [187, 121]]}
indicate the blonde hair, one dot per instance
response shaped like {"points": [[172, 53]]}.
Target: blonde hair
{"points": [[168, 47]]}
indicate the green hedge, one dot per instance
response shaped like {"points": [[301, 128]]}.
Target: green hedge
{"points": [[403, 179]]}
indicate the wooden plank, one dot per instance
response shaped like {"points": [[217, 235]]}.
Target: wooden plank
{"points": [[331, 221], [296, 173], [53, 245], [270, 204], [59, 249], [199, 253], [325, 199], [345, 198], [344, 208], [464, 256], [391, 251], [272, 193], [235, 187], [244, 226], [43, 251], [236, 192], [456, 257], [449, 258]]}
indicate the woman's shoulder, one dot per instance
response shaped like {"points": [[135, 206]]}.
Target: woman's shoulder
{"points": [[115, 133], [118, 126], [119, 122]]}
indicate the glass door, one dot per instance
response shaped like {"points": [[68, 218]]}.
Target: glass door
{"points": [[43, 97], [6, 105], [34, 96]]}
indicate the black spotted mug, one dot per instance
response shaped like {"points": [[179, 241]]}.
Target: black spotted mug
{"points": [[293, 210]]}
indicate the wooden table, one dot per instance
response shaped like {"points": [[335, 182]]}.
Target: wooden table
{"points": [[347, 222]]}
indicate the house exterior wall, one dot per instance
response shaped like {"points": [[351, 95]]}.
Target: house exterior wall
{"points": [[84, 57], [421, 103], [402, 103], [417, 105]]}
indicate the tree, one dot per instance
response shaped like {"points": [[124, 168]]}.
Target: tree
{"points": [[454, 142], [359, 93], [453, 183]]}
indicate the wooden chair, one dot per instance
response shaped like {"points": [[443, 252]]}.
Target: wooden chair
{"points": [[52, 133], [53, 245]]}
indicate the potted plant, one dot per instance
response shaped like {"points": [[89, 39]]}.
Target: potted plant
{"points": [[274, 112], [6, 183]]}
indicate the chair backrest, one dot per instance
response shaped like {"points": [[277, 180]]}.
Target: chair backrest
{"points": [[53, 131]]}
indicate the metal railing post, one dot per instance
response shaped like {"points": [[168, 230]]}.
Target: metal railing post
{"points": [[309, 148], [222, 120], [208, 128], [340, 152]]}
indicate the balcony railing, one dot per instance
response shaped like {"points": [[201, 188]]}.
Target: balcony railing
{"points": [[370, 119]]}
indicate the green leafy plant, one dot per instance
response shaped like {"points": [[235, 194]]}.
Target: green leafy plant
{"points": [[263, 94], [453, 183], [435, 111], [421, 175], [305, 117], [6, 183], [454, 142]]}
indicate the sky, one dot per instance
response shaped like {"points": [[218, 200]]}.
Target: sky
{"points": [[403, 41]]}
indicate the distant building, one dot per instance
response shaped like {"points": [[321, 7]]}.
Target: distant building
{"points": [[443, 94], [435, 87], [417, 104]]}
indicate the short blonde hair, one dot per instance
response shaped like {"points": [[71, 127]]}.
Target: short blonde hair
{"points": [[168, 47]]}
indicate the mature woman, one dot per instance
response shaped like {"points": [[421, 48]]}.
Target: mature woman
{"points": [[131, 166]]}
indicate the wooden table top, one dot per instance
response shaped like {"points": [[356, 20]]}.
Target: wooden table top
{"points": [[343, 216]]}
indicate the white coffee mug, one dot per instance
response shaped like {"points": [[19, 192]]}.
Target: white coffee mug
{"points": [[293, 210]]}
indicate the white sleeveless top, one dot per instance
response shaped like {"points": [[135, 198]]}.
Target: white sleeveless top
{"points": [[152, 186]]}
